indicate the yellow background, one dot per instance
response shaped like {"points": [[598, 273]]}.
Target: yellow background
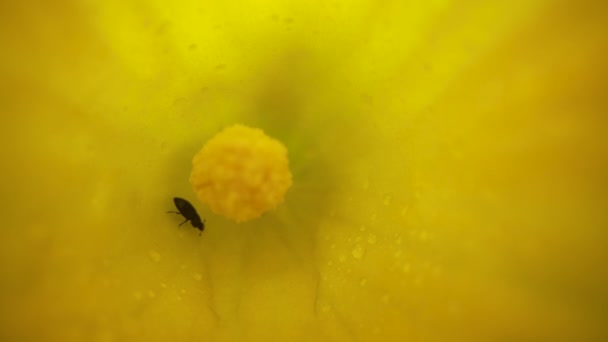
{"points": [[449, 163]]}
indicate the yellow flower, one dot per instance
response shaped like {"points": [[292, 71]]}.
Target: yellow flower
{"points": [[449, 164]]}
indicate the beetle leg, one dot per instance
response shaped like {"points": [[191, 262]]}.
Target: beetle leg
{"points": [[182, 223]]}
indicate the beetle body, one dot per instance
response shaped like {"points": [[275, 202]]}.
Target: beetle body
{"points": [[188, 212]]}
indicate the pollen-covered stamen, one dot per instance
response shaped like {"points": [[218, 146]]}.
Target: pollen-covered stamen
{"points": [[241, 173]]}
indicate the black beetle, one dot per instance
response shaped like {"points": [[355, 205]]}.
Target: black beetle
{"points": [[188, 212]]}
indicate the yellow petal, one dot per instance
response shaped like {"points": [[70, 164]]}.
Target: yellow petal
{"points": [[448, 161]]}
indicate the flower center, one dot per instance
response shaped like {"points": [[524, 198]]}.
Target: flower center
{"points": [[241, 173]]}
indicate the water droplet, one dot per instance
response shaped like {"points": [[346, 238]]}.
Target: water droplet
{"points": [[423, 235], [388, 199], [386, 298], [358, 239], [404, 211], [198, 276], [179, 298], [398, 241], [220, 67], [106, 335], [371, 239], [330, 263], [183, 266], [180, 101], [362, 228], [151, 294], [366, 99], [332, 246], [163, 285], [406, 267], [137, 295], [358, 252], [154, 256], [325, 308], [373, 217], [454, 308], [183, 291], [342, 258], [363, 282], [366, 185], [397, 254], [436, 271]]}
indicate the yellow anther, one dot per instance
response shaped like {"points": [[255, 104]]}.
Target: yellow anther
{"points": [[241, 173]]}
